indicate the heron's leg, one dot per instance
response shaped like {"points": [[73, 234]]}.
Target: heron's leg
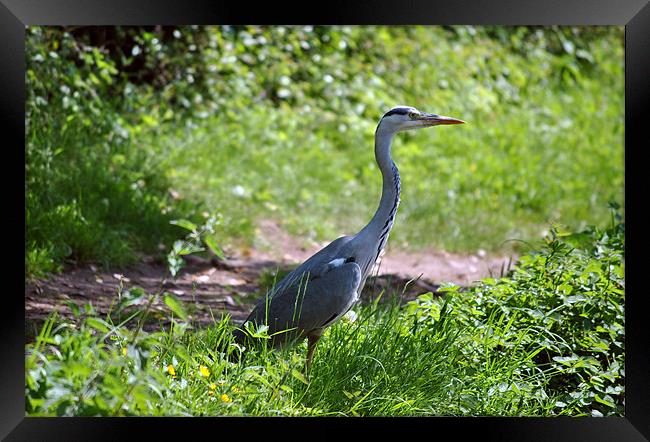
{"points": [[312, 340]]}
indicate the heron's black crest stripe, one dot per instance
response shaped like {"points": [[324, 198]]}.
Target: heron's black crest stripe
{"points": [[350, 259], [397, 111]]}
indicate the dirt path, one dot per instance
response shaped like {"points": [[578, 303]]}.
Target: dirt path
{"points": [[211, 287], [435, 266]]}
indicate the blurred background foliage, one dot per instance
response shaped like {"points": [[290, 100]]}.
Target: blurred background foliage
{"points": [[130, 127]]}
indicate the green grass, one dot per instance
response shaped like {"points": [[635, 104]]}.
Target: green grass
{"points": [[545, 340], [92, 192], [256, 122], [543, 144]]}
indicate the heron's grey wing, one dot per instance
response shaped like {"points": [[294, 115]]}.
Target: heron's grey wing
{"points": [[309, 307], [285, 293], [312, 267]]}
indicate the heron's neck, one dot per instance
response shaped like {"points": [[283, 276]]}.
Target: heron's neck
{"points": [[381, 223]]}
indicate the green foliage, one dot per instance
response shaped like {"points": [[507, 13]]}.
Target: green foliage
{"points": [[291, 134], [546, 340], [93, 191], [277, 122], [564, 305], [193, 242], [89, 375]]}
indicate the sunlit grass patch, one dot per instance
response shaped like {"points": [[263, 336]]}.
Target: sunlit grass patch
{"points": [[540, 146], [277, 122]]}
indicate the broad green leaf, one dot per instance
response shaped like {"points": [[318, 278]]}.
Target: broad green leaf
{"points": [[184, 223], [210, 242], [175, 305], [190, 249], [98, 324], [607, 400], [298, 375]]}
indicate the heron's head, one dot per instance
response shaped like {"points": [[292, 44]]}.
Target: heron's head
{"points": [[402, 118]]}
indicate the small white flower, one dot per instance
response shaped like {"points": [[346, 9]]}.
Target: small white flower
{"points": [[239, 190]]}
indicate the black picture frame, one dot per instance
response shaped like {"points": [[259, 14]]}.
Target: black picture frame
{"points": [[633, 14]]}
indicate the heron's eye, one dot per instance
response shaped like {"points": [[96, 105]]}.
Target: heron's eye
{"points": [[412, 115]]}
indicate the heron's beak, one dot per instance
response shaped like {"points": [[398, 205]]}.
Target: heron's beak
{"points": [[434, 120]]}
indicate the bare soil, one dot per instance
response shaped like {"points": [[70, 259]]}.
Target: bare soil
{"points": [[210, 287]]}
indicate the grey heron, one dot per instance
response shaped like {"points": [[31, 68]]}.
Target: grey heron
{"points": [[324, 287]]}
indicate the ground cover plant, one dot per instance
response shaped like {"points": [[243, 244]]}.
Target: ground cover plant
{"points": [[547, 339]]}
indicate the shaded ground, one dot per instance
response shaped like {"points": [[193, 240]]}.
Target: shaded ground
{"points": [[209, 287]]}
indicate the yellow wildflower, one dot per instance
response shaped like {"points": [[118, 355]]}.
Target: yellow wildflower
{"points": [[171, 370], [124, 351], [213, 386], [225, 398], [203, 371], [235, 389]]}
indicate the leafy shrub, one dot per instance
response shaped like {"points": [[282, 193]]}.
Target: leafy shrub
{"points": [[92, 193], [564, 305], [91, 376]]}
